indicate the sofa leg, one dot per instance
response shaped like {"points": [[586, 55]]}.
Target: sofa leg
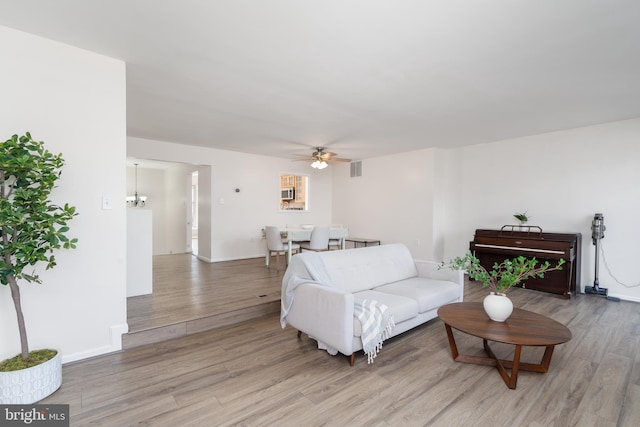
{"points": [[299, 334], [352, 359]]}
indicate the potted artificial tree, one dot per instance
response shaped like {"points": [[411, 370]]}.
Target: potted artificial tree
{"points": [[502, 276], [31, 229]]}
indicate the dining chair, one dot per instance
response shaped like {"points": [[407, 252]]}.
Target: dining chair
{"points": [[277, 246], [319, 240], [335, 243]]}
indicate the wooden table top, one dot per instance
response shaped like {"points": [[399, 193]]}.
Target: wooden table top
{"points": [[521, 328]]}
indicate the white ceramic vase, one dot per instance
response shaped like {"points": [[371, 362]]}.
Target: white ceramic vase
{"points": [[497, 306], [32, 384]]}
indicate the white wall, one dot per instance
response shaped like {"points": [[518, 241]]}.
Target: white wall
{"points": [[562, 179], [74, 100], [139, 252], [205, 216], [392, 201], [236, 218], [176, 207]]}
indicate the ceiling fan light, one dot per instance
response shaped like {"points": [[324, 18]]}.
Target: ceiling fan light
{"points": [[319, 164], [319, 158]]}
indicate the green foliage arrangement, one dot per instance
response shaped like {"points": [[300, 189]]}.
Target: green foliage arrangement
{"points": [[504, 275], [31, 226], [522, 217]]}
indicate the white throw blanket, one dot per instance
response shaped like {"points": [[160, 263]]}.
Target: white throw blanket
{"points": [[377, 324], [306, 267]]}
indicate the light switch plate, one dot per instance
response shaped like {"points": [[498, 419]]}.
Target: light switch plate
{"points": [[106, 203]]}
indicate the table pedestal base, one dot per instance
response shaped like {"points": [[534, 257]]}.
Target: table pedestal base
{"points": [[502, 365]]}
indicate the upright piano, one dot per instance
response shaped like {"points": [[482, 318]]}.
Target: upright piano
{"points": [[491, 246]]}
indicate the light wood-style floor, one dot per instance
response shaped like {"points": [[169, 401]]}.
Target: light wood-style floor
{"points": [[190, 296], [257, 374]]}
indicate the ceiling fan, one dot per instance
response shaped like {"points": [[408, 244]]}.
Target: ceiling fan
{"points": [[320, 158]]}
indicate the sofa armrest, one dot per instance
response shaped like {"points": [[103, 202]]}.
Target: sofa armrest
{"points": [[324, 313]]}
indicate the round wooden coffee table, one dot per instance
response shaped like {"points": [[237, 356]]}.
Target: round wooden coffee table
{"points": [[522, 328]]}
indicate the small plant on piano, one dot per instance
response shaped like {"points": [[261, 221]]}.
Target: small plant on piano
{"points": [[522, 217], [502, 276]]}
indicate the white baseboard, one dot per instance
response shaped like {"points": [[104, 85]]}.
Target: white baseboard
{"points": [[68, 358], [625, 297], [116, 333], [116, 345], [261, 255]]}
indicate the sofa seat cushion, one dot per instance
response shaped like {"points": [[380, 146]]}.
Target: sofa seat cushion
{"points": [[402, 308], [428, 293]]}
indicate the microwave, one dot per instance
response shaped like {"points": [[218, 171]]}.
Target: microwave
{"points": [[287, 194]]}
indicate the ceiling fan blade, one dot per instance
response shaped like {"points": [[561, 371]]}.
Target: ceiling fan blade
{"points": [[319, 155], [327, 155]]}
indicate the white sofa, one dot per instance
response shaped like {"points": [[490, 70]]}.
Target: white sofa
{"points": [[318, 292]]}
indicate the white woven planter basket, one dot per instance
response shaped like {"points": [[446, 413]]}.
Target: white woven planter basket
{"points": [[32, 384]]}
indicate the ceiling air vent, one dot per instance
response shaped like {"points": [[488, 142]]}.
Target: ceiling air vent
{"points": [[356, 169]]}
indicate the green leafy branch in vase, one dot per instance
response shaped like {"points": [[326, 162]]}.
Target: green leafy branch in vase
{"points": [[508, 273]]}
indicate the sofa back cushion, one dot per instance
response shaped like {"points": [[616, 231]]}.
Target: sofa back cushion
{"points": [[355, 270]]}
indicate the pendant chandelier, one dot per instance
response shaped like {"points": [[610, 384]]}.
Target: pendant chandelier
{"points": [[136, 201]]}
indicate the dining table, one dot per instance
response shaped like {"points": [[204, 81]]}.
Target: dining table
{"points": [[299, 234]]}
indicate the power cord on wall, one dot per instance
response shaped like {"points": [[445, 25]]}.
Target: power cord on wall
{"points": [[604, 260]]}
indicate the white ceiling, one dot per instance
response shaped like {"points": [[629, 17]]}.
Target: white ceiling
{"points": [[362, 77]]}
